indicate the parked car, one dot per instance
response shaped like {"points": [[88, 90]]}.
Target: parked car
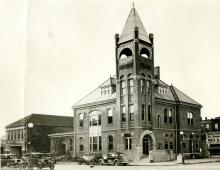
{"points": [[10, 160], [39, 160], [89, 159], [86, 159], [114, 159]]}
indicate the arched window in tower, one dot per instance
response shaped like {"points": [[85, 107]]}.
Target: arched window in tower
{"points": [[148, 83], [145, 53], [125, 53], [142, 82]]}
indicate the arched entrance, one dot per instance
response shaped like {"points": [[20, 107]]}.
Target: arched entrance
{"points": [[147, 144]]}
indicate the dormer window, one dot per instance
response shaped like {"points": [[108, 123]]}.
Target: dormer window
{"points": [[106, 90], [162, 90]]}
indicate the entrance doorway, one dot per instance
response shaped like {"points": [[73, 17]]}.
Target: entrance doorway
{"points": [[145, 145]]}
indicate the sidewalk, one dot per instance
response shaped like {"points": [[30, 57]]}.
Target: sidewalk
{"points": [[145, 162]]}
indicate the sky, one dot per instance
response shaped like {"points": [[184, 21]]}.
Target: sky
{"points": [[54, 52]]}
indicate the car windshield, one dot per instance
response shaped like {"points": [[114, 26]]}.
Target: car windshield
{"points": [[8, 156]]}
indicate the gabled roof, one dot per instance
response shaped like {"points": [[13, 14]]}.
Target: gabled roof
{"points": [[183, 97], [41, 119], [96, 96], [133, 21]]}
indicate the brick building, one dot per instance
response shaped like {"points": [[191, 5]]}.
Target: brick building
{"points": [[18, 135], [211, 132], [135, 112]]}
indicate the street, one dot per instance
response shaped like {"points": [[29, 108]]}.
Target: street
{"points": [[69, 166]]}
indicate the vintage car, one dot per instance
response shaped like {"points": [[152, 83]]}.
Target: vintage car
{"points": [[114, 159], [10, 160], [39, 160], [90, 159]]}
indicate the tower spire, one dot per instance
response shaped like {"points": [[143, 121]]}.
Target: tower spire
{"points": [[133, 21]]}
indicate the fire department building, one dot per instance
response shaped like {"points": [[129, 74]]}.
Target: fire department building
{"points": [[135, 112]]}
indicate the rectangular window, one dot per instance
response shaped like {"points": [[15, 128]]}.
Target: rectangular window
{"points": [[110, 143], [142, 85], [216, 126], [123, 88], [131, 86], [128, 143], [99, 119], [166, 145], [190, 118], [165, 115], [158, 121], [122, 98], [148, 86], [143, 113], [131, 112], [171, 145], [100, 143], [123, 114], [149, 112], [95, 144], [130, 98], [81, 147], [110, 116], [170, 116]]}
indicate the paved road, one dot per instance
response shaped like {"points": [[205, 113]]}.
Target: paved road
{"points": [[202, 166]]}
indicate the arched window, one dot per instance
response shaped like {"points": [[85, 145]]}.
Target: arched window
{"points": [[81, 120], [142, 82], [110, 118], [190, 118], [125, 53], [81, 146], [95, 118], [110, 142], [145, 53], [123, 114]]}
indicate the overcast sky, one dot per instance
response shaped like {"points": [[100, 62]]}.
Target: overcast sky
{"points": [[54, 52]]}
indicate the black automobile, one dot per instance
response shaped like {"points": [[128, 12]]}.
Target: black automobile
{"points": [[39, 160], [114, 159], [10, 160]]}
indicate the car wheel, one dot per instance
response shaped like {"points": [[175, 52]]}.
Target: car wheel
{"points": [[116, 163], [51, 167], [100, 162]]}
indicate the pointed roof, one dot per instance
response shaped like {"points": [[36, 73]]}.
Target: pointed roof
{"points": [[133, 21], [95, 95]]}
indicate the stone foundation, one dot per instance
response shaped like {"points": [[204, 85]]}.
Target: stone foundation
{"points": [[162, 155]]}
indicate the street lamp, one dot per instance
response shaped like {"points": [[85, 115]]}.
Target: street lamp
{"points": [[30, 126], [192, 143], [181, 141]]}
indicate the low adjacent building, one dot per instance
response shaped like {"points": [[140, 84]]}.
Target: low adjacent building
{"points": [[20, 138], [211, 129]]}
